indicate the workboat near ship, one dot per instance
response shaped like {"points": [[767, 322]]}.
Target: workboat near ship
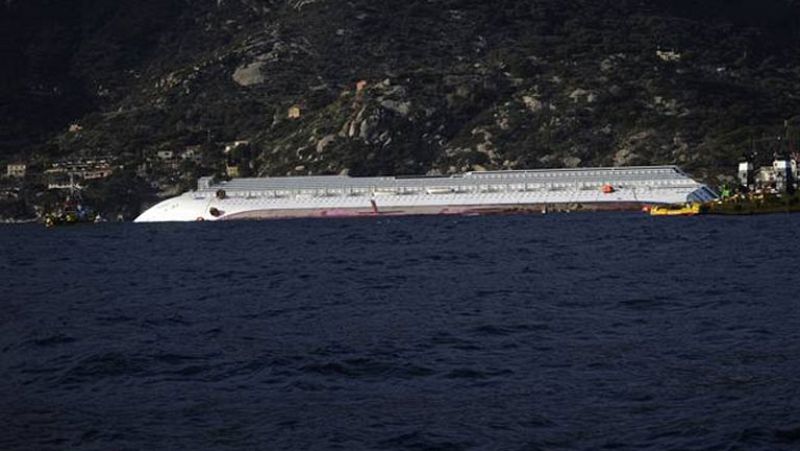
{"points": [[691, 209], [625, 188], [73, 211]]}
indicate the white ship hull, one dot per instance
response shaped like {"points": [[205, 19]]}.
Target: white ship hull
{"points": [[471, 193]]}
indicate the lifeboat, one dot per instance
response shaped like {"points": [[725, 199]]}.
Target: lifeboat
{"points": [[676, 210], [608, 189]]}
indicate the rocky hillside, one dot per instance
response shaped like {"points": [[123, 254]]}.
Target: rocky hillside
{"points": [[386, 87]]}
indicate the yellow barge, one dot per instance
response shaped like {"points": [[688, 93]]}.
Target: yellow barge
{"points": [[691, 209]]}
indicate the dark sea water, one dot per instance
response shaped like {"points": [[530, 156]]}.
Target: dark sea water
{"points": [[589, 331]]}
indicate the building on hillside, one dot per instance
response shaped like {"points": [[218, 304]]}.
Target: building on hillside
{"points": [[165, 155], [17, 170], [785, 170], [165, 159], [237, 158], [9, 193], [669, 56], [74, 173], [192, 153], [746, 174], [764, 176], [231, 146], [232, 170]]}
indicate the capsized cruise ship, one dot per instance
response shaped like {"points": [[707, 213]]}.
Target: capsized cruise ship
{"points": [[621, 188]]}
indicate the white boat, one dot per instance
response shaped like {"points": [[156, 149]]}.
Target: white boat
{"points": [[469, 193]]}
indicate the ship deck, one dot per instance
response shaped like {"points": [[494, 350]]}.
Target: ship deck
{"points": [[471, 182], [457, 194]]}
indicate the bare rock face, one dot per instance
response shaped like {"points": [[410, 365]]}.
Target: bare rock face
{"points": [[630, 151], [459, 88], [249, 74], [533, 104], [325, 142], [582, 95], [299, 4], [401, 108], [624, 156]]}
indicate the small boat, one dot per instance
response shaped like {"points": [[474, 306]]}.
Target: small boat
{"points": [[676, 210], [73, 211]]}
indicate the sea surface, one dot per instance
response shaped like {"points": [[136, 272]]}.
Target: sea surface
{"points": [[572, 331]]}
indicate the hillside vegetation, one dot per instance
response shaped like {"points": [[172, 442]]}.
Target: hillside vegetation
{"points": [[450, 85]]}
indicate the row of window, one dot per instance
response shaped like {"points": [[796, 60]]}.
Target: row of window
{"points": [[605, 173], [476, 189]]}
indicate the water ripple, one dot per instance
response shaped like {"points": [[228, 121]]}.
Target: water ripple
{"points": [[538, 332]]}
